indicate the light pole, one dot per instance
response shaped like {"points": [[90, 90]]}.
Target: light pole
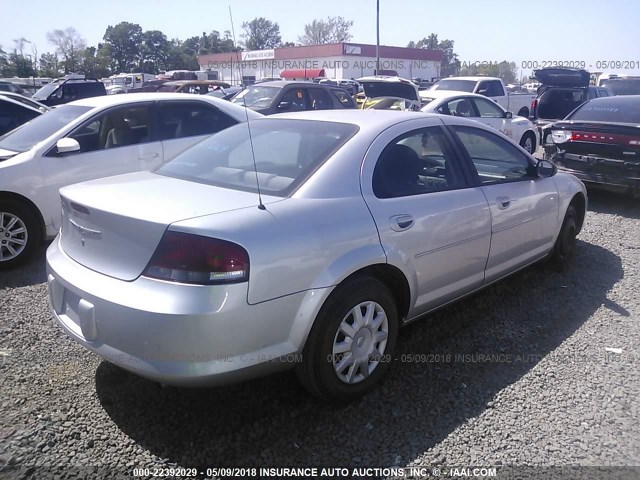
{"points": [[377, 37]]}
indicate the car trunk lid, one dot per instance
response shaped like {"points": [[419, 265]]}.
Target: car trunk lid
{"points": [[114, 225], [562, 77]]}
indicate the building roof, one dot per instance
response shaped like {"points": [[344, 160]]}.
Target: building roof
{"points": [[329, 50]]}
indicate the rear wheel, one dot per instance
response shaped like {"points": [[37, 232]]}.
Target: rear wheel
{"points": [[19, 234], [523, 112], [566, 242], [351, 342], [528, 142]]}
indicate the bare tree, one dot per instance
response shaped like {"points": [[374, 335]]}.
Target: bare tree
{"points": [[331, 30], [70, 47]]}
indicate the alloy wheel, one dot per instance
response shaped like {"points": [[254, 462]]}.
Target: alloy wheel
{"points": [[13, 236]]}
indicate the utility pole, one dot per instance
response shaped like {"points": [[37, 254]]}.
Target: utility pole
{"points": [[377, 37]]}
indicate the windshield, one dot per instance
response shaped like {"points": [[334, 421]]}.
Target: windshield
{"points": [[286, 152], [457, 85], [40, 128], [256, 96], [623, 86], [46, 91], [613, 109]]}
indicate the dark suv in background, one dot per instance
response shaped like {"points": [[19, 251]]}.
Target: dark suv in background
{"points": [[283, 96], [68, 89]]}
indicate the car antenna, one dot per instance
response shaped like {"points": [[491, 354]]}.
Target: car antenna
{"points": [[244, 102]]}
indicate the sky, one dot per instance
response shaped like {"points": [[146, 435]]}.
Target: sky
{"points": [[483, 30]]}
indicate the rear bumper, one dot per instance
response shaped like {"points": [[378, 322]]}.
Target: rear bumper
{"points": [[178, 334], [626, 180]]}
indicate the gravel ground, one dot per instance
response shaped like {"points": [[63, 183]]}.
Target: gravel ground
{"points": [[518, 374]]}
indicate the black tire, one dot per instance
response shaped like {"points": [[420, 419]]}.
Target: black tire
{"points": [[531, 137], [316, 372], [523, 112], [566, 242], [33, 234]]}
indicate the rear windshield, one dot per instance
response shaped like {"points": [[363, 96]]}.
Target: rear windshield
{"points": [[40, 128], [286, 153], [457, 85], [46, 91], [610, 110], [629, 86], [256, 96]]}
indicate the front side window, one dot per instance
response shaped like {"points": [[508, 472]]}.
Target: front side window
{"points": [[118, 127], [494, 158], [416, 163], [189, 119], [293, 101], [487, 108], [460, 107]]}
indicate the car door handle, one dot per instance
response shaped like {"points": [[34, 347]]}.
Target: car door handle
{"points": [[399, 223], [149, 157], [503, 202]]}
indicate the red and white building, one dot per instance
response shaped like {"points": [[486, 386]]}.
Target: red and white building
{"points": [[338, 60]]}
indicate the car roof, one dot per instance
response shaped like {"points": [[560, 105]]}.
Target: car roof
{"points": [[284, 83], [440, 94], [472, 78], [111, 100], [364, 119]]}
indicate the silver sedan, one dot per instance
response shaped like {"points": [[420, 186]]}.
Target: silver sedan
{"points": [[304, 242]]}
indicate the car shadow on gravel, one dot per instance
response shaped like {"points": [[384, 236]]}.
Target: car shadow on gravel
{"points": [[448, 370], [32, 273], [601, 201]]}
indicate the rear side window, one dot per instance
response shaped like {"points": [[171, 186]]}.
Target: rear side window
{"points": [[189, 119], [319, 99], [342, 96], [286, 153], [416, 163]]}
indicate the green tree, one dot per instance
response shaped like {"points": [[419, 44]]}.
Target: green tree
{"points": [[507, 71], [70, 47], [450, 64], [49, 66], [154, 51], [124, 40], [331, 30], [260, 34]]}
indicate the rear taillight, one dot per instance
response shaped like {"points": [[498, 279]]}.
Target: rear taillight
{"points": [[534, 107], [186, 258], [561, 136]]}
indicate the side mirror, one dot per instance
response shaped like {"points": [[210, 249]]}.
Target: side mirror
{"points": [[508, 115], [546, 169], [284, 106], [67, 145]]}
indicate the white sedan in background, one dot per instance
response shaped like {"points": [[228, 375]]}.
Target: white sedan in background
{"points": [[88, 139], [480, 108]]}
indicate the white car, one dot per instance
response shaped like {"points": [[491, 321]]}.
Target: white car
{"points": [[478, 107], [93, 138]]}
